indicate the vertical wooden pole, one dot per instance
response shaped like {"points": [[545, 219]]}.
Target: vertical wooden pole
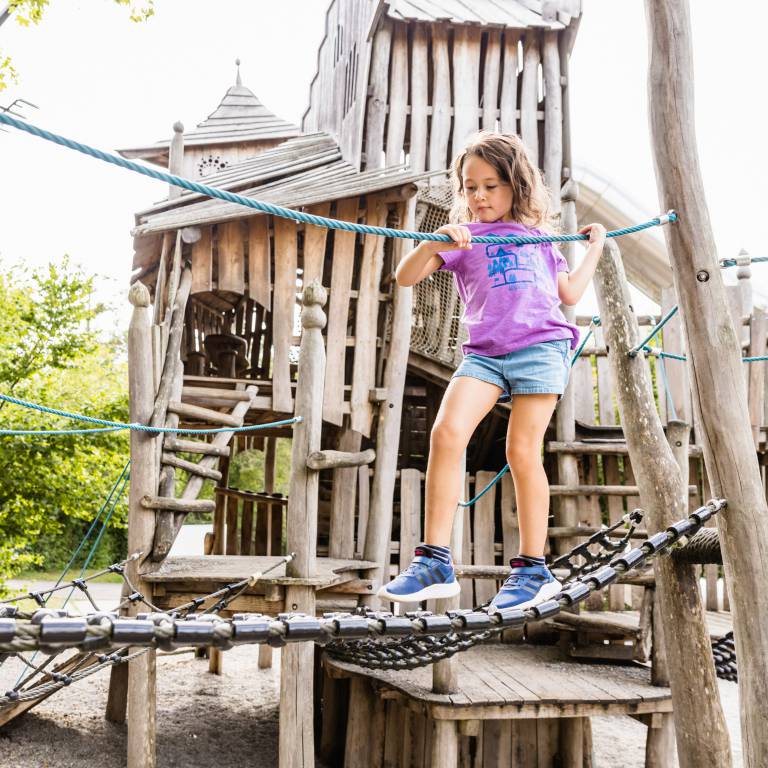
{"points": [[297, 660], [713, 360], [141, 522], [701, 733], [565, 415], [390, 411]]}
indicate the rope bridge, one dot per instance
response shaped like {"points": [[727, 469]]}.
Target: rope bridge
{"points": [[372, 639]]}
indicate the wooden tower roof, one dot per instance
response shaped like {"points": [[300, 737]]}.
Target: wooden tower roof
{"points": [[518, 14], [240, 118]]}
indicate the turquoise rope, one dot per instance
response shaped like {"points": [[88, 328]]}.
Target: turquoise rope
{"points": [[486, 489], [664, 320], [136, 427], [300, 216]]}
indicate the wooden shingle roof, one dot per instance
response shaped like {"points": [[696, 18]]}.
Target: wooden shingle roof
{"points": [[520, 14]]}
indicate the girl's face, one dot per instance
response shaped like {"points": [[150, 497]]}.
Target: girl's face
{"points": [[488, 197]]}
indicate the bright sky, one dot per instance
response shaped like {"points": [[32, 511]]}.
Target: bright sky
{"points": [[105, 81]]}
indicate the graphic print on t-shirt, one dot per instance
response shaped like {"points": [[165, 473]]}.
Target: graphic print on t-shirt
{"points": [[514, 266]]}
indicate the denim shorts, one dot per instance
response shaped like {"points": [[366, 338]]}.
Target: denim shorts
{"points": [[542, 368]]}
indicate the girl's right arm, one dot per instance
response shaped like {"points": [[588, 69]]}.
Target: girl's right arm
{"points": [[423, 260]]}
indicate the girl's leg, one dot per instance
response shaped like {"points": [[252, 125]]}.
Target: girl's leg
{"points": [[465, 404], [525, 433]]}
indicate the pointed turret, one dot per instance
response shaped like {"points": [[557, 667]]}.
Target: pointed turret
{"points": [[239, 128]]}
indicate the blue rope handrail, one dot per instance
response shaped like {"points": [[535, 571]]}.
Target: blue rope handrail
{"points": [[301, 216], [118, 425]]}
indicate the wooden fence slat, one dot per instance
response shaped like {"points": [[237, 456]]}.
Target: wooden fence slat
{"points": [[466, 83], [583, 394], [410, 514], [284, 309], [259, 268], [529, 96], [202, 262], [378, 83], [491, 68], [231, 257], [398, 95], [419, 98], [483, 537], [508, 122], [467, 597], [338, 313], [314, 245], [440, 128], [366, 320]]}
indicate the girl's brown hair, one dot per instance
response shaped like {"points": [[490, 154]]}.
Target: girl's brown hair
{"points": [[509, 156]]}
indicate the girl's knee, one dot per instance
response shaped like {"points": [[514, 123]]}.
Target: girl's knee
{"points": [[523, 457], [446, 433]]}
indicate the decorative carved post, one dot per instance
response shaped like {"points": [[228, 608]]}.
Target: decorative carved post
{"points": [[141, 522], [297, 745]]}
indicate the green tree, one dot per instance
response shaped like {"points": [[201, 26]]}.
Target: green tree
{"points": [[27, 12], [51, 487]]}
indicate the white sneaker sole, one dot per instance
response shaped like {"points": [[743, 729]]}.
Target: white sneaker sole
{"points": [[432, 592], [547, 592]]}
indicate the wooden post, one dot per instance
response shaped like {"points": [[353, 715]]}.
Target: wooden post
{"points": [[141, 522], [176, 158], [297, 660], [702, 736], [565, 415], [714, 360], [379, 526]]}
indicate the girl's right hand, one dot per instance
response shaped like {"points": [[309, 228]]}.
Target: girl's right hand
{"points": [[458, 233]]}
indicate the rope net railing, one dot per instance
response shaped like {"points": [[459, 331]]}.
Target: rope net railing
{"points": [[368, 638]]}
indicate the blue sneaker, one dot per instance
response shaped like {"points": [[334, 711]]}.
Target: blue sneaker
{"points": [[426, 578], [526, 586]]}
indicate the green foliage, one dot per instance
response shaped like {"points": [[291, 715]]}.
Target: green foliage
{"points": [[27, 12], [247, 469], [52, 487]]}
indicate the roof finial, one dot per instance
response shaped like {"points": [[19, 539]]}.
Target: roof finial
{"points": [[238, 81]]}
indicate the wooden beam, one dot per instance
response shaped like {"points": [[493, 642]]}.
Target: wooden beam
{"points": [[692, 672], [333, 459], [714, 361]]}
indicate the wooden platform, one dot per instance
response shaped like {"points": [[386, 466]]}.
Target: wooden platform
{"points": [[178, 579], [514, 682]]}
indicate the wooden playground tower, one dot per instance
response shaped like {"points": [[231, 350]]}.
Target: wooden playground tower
{"points": [[215, 343]]}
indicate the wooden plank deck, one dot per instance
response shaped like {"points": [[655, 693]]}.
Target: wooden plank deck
{"points": [[231, 568], [518, 682]]}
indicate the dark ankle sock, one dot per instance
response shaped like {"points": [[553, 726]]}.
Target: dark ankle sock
{"points": [[531, 560], [443, 554]]}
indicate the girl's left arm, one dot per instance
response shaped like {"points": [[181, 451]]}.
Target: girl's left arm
{"points": [[571, 286]]}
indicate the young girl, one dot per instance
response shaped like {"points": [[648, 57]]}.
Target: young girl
{"points": [[518, 349]]}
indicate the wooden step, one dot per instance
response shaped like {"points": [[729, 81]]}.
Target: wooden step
{"points": [[205, 414], [172, 443], [171, 460]]}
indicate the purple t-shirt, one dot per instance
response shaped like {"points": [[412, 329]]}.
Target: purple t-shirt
{"points": [[509, 291]]}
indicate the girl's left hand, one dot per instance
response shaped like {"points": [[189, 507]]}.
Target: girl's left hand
{"points": [[596, 233]]}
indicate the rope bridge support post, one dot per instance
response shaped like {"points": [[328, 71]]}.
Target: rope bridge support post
{"points": [[702, 738], [297, 742], [141, 521], [714, 364]]}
